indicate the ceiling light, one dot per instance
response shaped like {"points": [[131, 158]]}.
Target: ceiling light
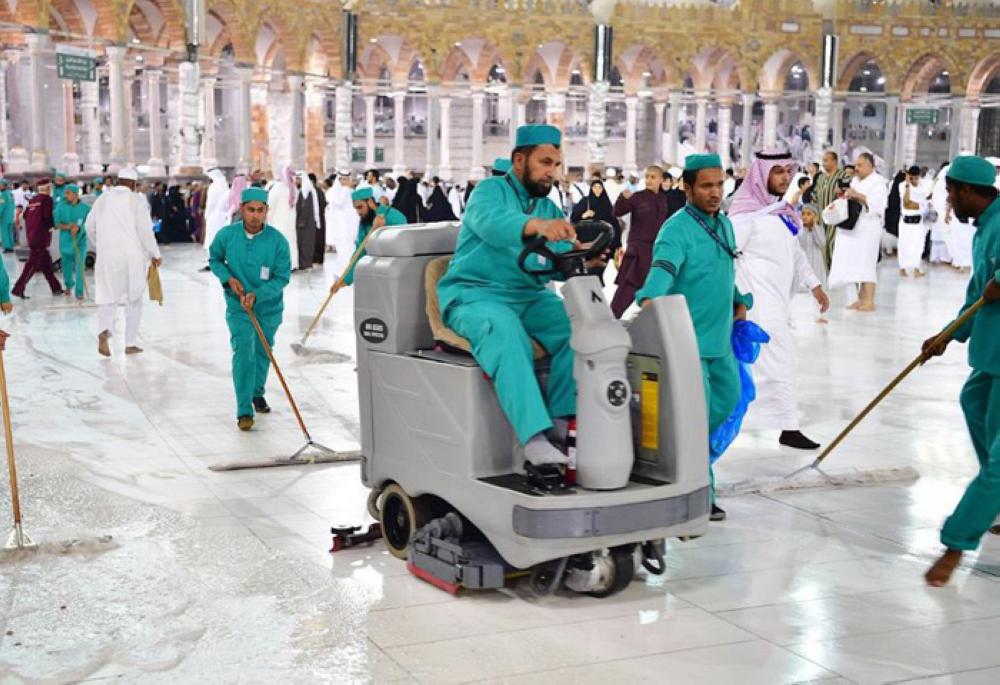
{"points": [[881, 80]]}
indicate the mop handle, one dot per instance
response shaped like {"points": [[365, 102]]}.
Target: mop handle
{"points": [[340, 279], [15, 497], [944, 337], [277, 370], [79, 264]]}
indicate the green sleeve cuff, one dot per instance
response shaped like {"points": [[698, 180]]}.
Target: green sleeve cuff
{"points": [[746, 299]]}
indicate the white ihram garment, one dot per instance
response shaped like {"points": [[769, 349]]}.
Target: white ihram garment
{"points": [[121, 231], [772, 267], [855, 254], [912, 236], [341, 223], [940, 229], [282, 216], [217, 214]]}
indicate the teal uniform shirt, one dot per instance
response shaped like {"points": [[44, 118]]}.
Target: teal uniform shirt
{"points": [[263, 265], [7, 219], [58, 194], [980, 399], [4, 284], [65, 213], [688, 261], [393, 217], [486, 298]]}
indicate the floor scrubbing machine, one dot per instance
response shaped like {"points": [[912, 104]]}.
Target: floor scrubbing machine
{"points": [[450, 487]]}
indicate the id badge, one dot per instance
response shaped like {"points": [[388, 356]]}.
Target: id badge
{"points": [[542, 261], [265, 273]]}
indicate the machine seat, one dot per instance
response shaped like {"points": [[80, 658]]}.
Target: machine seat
{"points": [[447, 338]]}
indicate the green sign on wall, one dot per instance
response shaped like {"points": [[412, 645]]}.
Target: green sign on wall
{"points": [[359, 154], [73, 66], [927, 117]]}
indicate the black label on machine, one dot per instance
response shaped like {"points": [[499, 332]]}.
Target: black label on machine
{"points": [[617, 393], [374, 330]]}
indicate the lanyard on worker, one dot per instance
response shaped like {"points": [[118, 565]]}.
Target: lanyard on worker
{"points": [[713, 234], [530, 209]]}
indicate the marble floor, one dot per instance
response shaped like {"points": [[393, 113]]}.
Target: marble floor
{"points": [[225, 577]]}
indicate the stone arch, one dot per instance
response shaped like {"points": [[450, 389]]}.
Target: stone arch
{"points": [[717, 67], [636, 61], [372, 59], [400, 69], [457, 62], [315, 59], [268, 47], [855, 64], [537, 65], [981, 75], [923, 70], [569, 61], [228, 30], [69, 16], [774, 71]]}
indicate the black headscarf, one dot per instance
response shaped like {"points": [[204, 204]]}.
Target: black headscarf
{"points": [[438, 207], [600, 204], [894, 208], [407, 201]]}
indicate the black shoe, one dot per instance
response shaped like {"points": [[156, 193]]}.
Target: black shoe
{"points": [[260, 406], [718, 514], [797, 440], [205, 268], [21, 295], [58, 292]]}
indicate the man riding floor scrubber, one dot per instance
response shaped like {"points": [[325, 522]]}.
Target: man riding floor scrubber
{"points": [[455, 433]]}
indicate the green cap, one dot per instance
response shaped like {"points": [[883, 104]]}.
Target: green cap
{"points": [[537, 134], [502, 165], [362, 194], [697, 162], [61, 174], [971, 169], [253, 194], [4, 182], [98, 181], [72, 188]]}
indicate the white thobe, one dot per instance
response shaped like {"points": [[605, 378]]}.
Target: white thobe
{"points": [[772, 267], [613, 189], [813, 243], [121, 231], [216, 207], [855, 253], [912, 236], [961, 234], [282, 216], [455, 197], [940, 228], [341, 223]]}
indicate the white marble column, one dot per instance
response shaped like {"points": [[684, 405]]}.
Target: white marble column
{"points": [[37, 106], [725, 130], [908, 144], [476, 171], [128, 78], [597, 121], [370, 131], [398, 133], [659, 109], [208, 154], [244, 140], [969, 130], [343, 124], [630, 166], [700, 121], [296, 138], [955, 133], [116, 89], [444, 169], [746, 146], [770, 122], [90, 118], [4, 132], [70, 160], [189, 158], [516, 112], [674, 129], [157, 167], [889, 146], [837, 124], [821, 122], [432, 99]]}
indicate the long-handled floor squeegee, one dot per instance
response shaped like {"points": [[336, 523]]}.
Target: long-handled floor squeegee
{"points": [[18, 538], [944, 337], [300, 346], [325, 454]]}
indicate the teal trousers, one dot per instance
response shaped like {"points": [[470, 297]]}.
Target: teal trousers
{"points": [[980, 504], [71, 273], [250, 361], [721, 377], [501, 334], [7, 235]]}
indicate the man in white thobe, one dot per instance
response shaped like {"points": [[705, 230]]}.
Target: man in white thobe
{"points": [[121, 231], [913, 204], [282, 196], [940, 228], [217, 214], [773, 267], [855, 252], [611, 185], [342, 219]]}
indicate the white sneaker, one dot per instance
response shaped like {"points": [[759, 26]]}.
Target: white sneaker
{"points": [[539, 451]]}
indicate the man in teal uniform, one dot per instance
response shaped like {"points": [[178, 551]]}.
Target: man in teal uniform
{"points": [[70, 217], [6, 216], [501, 165], [693, 256], [373, 217], [253, 262], [487, 299], [972, 195], [98, 186], [58, 188]]}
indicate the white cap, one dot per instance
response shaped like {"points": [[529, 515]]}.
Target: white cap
{"points": [[675, 172], [995, 161], [344, 172], [128, 174], [610, 172]]}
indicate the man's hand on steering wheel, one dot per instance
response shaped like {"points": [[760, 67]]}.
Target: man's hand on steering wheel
{"points": [[553, 230]]}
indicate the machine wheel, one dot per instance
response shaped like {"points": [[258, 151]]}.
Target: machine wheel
{"points": [[401, 516], [618, 568], [372, 503]]}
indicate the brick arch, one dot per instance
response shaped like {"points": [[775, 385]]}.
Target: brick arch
{"points": [[243, 38], [456, 61], [775, 70], [70, 15], [854, 65], [272, 48], [400, 71], [711, 66], [370, 63], [536, 64], [643, 58], [922, 71], [981, 75], [569, 60]]}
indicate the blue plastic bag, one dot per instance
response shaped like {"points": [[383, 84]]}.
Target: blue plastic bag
{"points": [[746, 340]]}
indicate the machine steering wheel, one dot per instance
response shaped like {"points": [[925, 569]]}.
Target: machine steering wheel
{"points": [[597, 235]]}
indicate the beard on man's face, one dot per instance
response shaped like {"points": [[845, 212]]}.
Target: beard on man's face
{"points": [[536, 187]]}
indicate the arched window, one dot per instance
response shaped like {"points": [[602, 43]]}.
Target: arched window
{"points": [[940, 84], [536, 111], [869, 79], [797, 79], [498, 107]]}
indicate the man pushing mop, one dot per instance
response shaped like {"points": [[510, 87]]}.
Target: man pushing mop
{"points": [[972, 195], [252, 261]]}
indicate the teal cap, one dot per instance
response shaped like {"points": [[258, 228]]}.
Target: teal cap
{"points": [[362, 194], [971, 169], [702, 161], [502, 165], [61, 174], [537, 134], [98, 181], [253, 194], [4, 182], [72, 188]]}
